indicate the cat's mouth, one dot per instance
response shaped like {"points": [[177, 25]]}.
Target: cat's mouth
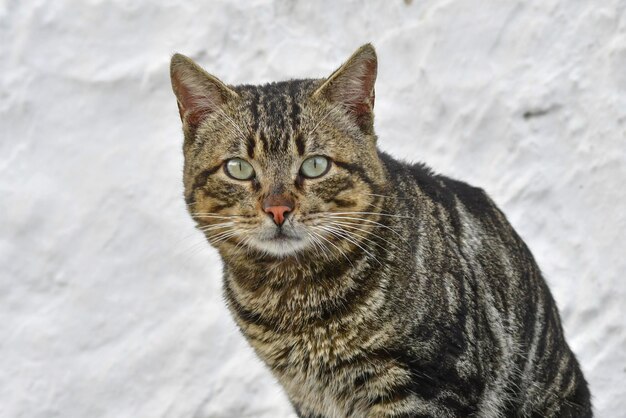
{"points": [[280, 242], [281, 235]]}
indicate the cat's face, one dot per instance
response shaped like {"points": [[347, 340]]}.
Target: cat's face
{"points": [[281, 168]]}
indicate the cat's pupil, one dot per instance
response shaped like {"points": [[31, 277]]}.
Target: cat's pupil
{"points": [[239, 169], [315, 166]]}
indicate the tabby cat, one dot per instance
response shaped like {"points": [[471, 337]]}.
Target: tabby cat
{"points": [[370, 287]]}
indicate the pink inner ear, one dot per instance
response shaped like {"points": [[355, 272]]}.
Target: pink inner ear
{"points": [[364, 102], [196, 102], [354, 88]]}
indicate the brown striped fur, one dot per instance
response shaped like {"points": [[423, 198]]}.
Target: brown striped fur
{"points": [[389, 291]]}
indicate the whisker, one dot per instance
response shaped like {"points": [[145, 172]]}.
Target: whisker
{"points": [[368, 221], [215, 215], [354, 235], [391, 215], [193, 250], [216, 226], [317, 245], [333, 244], [340, 233], [241, 245], [358, 218], [189, 250], [203, 229], [221, 239], [343, 225], [221, 236]]}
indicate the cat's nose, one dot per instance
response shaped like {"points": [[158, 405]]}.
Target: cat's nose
{"points": [[277, 206], [278, 213]]}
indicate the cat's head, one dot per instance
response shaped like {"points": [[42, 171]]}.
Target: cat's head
{"points": [[285, 167]]}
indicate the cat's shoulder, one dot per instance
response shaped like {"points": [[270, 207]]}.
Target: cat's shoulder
{"points": [[439, 188]]}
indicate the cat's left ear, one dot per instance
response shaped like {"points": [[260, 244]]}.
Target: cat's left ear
{"points": [[352, 86]]}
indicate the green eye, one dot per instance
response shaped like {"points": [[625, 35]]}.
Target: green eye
{"points": [[315, 167], [239, 169]]}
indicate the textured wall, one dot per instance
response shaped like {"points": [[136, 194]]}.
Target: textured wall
{"points": [[110, 302]]}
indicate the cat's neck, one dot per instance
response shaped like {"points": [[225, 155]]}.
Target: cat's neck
{"points": [[253, 271], [292, 292], [289, 295]]}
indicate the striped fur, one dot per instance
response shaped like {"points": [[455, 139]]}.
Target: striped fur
{"points": [[391, 291]]}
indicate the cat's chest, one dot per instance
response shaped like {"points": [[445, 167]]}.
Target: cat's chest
{"points": [[314, 350], [317, 369], [317, 354]]}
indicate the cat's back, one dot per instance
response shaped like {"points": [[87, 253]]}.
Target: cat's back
{"points": [[462, 240], [415, 181], [466, 243]]}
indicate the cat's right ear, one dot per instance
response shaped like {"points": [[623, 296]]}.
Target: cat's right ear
{"points": [[198, 93]]}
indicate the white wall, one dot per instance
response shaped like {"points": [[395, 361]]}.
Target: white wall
{"points": [[110, 301]]}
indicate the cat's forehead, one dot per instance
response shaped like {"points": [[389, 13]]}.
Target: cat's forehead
{"points": [[275, 109]]}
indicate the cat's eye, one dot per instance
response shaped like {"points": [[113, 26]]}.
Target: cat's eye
{"points": [[239, 169], [315, 167]]}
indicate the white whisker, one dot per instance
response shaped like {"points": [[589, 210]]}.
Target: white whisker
{"points": [[368, 221], [333, 244], [345, 225], [206, 228], [317, 245], [221, 236], [340, 233], [391, 215], [214, 215]]}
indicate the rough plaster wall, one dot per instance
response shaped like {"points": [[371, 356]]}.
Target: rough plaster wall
{"points": [[110, 302]]}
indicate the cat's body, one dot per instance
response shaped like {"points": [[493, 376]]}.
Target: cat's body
{"points": [[376, 288]]}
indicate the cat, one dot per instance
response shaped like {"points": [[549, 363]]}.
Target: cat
{"points": [[370, 287]]}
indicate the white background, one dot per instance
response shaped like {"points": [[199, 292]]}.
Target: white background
{"points": [[110, 301]]}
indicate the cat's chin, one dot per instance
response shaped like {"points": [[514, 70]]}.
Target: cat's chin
{"points": [[280, 247]]}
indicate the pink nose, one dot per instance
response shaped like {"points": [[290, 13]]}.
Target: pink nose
{"points": [[278, 213]]}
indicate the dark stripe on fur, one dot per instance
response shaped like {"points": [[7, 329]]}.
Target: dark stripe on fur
{"points": [[199, 181]]}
